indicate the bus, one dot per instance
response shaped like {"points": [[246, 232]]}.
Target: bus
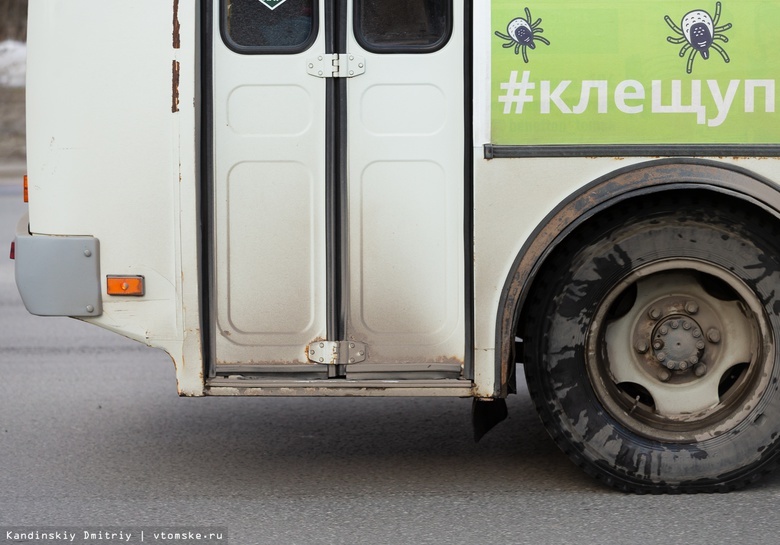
{"points": [[425, 198]]}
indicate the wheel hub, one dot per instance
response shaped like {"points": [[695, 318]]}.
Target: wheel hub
{"points": [[677, 343], [669, 342]]}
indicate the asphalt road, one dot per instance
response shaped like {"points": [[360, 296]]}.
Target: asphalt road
{"points": [[92, 434]]}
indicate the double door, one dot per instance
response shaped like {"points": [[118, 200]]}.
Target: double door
{"points": [[338, 183]]}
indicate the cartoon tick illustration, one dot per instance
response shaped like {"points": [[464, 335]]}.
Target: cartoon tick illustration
{"points": [[698, 32], [521, 34]]}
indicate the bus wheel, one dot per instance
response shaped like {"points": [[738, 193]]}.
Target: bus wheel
{"points": [[650, 346]]}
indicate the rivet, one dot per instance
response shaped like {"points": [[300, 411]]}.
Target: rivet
{"points": [[658, 344], [360, 353], [88, 253], [322, 345], [694, 360], [312, 352], [90, 308], [683, 365], [351, 360], [686, 325], [664, 330], [352, 345], [696, 333], [691, 307], [311, 65], [700, 345], [661, 356], [351, 72], [674, 324], [125, 286], [322, 360]]}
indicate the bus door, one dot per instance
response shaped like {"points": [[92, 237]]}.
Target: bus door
{"points": [[338, 186]]}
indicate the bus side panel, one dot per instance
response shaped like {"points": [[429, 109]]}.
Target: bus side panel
{"points": [[112, 155], [512, 198]]}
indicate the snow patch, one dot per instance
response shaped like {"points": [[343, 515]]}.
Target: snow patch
{"points": [[13, 63]]}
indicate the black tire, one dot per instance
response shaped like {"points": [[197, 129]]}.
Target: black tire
{"points": [[631, 339]]}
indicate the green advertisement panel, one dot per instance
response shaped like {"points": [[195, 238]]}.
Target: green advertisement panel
{"points": [[635, 72]]}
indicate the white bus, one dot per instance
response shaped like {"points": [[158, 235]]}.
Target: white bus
{"points": [[363, 198]]}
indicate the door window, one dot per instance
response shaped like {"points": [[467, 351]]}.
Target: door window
{"points": [[403, 26], [268, 26]]}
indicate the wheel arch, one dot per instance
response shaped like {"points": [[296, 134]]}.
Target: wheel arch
{"points": [[603, 194]]}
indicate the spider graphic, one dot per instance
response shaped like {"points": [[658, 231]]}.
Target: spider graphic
{"points": [[698, 32], [521, 34]]}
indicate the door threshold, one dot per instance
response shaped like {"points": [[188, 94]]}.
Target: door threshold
{"points": [[236, 385]]}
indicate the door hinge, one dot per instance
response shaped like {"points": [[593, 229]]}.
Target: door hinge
{"points": [[336, 352], [336, 65]]}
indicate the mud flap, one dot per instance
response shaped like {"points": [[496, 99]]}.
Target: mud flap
{"points": [[486, 414]]}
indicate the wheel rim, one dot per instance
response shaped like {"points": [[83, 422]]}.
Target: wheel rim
{"points": [[680, 350]]}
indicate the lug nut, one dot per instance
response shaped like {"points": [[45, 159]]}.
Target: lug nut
{"points": [[654, 313], [641, 347], [700, 370], [691, 307], [713, 335], [664, 375]]}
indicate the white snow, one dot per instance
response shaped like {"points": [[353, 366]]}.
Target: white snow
{"points": [[13, 63]]}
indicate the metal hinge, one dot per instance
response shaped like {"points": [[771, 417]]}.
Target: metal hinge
{"points": [[336, 65], [336, 352]]}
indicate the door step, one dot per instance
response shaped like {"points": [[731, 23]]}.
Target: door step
{"points": [[249, 385]]}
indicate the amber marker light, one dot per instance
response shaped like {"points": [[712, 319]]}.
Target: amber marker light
{"points": [[26, 194], [125, 285]]}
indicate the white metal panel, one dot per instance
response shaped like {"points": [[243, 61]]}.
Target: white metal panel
{"points": [[512, 197], [103, 144], [405, 131], [270, 272], [481, 36], [269, 129], [111, 153]]}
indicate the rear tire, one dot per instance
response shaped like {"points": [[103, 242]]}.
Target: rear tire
{"points": [[650, 346]]}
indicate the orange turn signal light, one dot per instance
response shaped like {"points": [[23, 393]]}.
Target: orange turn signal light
{"points": [[26, 194], [125, 285]]}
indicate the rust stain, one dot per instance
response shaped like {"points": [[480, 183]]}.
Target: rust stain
{"points": [[451, 360], [175, 87], [176, 25]]}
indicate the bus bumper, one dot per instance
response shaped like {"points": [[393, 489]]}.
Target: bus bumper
{"points": [[57, 275]]}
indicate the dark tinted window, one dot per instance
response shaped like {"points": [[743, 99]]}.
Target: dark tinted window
{"points": [[402, 25], [272, 25]]}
